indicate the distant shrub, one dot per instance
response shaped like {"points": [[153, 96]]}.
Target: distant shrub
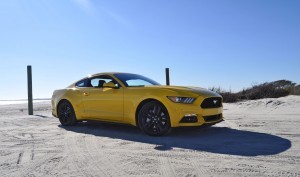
{"points": [[274, 89], [295, 90], [228, 96], [269, 90]]}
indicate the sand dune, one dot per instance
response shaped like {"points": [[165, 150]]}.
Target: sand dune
{"points": [[258, 138], [283, 105]]}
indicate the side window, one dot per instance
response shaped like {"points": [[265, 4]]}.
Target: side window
{"points": [[99, 81], [137, 83], [81, 83]]}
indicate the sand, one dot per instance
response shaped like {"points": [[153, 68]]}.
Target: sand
{"points": [[257, 138]]}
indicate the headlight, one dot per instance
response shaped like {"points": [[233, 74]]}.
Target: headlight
{"points": [[186, 100]]}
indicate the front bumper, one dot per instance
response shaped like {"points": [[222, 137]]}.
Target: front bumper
{"points": [[203, 116], [54, 115], [53, 110]]}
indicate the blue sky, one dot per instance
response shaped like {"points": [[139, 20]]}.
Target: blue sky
{"points": [[232, 43]]}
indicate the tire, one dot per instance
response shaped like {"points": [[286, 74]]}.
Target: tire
{"points": [[153, 119], [66, 114]]}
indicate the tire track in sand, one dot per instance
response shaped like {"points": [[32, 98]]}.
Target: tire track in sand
{"points": [[32, 166], [79, 157], [198, 168], [107, 164], [166, 167]]}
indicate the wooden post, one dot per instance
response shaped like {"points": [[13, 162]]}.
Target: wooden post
{"points": [[29, 84], [167, 77]]}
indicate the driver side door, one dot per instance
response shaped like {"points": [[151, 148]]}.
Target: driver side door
{"points": [[103, 103]]}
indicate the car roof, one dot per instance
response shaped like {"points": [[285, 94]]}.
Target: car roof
{"points": [[97, 74], [107, 73]]}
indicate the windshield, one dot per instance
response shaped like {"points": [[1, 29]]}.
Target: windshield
{"points": [[135, 80]]}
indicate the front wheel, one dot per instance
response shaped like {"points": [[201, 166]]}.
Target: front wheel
{"points": [[66, 114], [153, 119]]}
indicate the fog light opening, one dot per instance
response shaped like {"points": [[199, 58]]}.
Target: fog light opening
{"points": [[189, 118]]}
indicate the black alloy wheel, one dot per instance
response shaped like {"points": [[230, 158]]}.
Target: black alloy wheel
{"points": [[153, 119], [66, 114]]}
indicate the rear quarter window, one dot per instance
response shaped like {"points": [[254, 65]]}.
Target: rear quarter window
{"points": [[81, 83]]}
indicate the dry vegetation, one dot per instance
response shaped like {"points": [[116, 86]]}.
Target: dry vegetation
{"points": [[274, 89]]}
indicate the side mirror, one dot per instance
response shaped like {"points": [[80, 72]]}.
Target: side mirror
{"points": [[109, 85]]}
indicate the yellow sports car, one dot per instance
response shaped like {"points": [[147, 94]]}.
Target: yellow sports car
{"points": [[136, 100]]}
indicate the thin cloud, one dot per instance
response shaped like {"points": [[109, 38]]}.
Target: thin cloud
{"points": [[89, 8], [116, 17], [86, 5]]}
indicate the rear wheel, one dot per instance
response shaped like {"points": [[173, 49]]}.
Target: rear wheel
{"points": [[66, 114], [153, 119]]}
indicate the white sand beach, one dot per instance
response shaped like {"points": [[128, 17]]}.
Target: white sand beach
{"points": [[257, 138], [10, 102]]}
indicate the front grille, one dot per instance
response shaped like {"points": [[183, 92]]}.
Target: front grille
{"points": [[212, 118], [213, 102]]}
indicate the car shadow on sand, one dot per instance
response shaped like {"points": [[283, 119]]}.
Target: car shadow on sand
{"points": [[220, 140]]}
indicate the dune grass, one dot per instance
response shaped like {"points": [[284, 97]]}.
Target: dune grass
{"points": [[274, 89]]}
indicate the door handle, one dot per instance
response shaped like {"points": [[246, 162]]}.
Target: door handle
{"points": [[85, 94]]}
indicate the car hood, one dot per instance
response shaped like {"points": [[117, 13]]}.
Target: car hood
{"points": [[195, 90]]}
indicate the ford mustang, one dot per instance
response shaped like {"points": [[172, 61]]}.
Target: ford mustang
{"points": [[136, 100]]}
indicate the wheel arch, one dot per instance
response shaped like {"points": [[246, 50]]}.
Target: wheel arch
{"points": [[72, 104], [60, 102], [142, 103]]}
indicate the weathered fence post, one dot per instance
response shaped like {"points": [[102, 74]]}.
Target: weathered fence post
{"points": [[167, 77], [29, 84]]}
